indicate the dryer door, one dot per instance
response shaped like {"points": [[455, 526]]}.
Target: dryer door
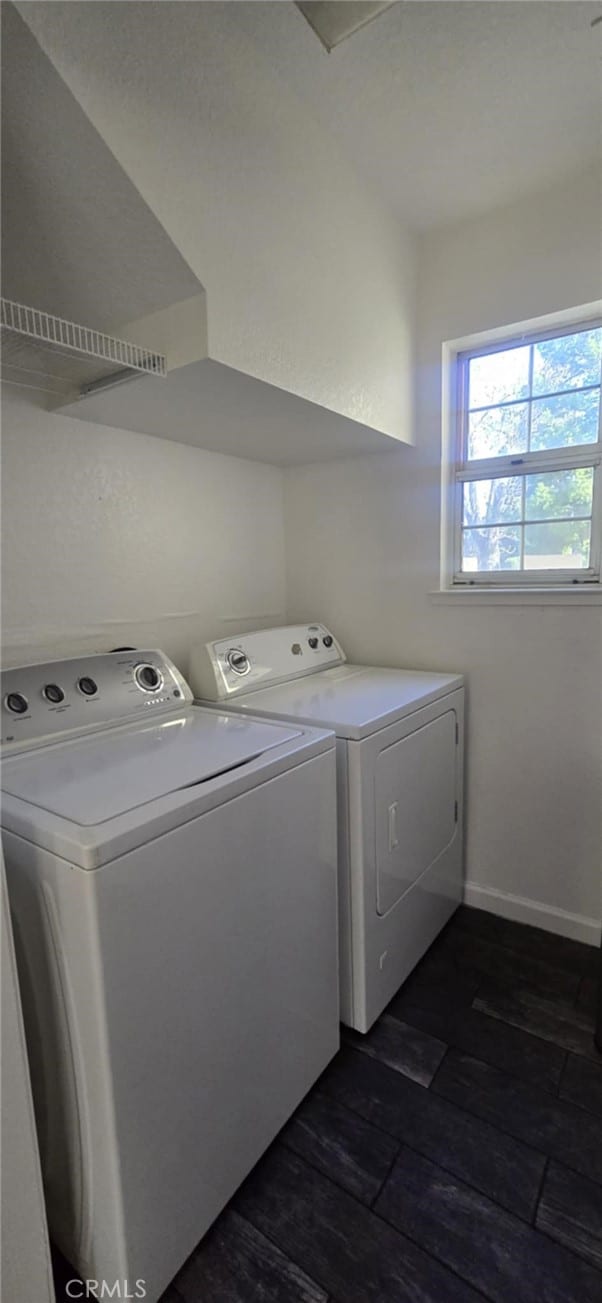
{"points": [[415, 800]]}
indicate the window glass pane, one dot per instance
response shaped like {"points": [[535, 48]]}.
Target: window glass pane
{"points": [[492, 502], [566, 421], [498, 377], [567, 362], [559, 545], [559, 493], [498, 432], [496, 548]]}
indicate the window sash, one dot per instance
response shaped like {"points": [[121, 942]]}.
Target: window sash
{"points": [[463, 411], [531, 576]]}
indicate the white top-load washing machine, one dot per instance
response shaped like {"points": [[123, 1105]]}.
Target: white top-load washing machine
{"points": [[400, 780], [172, 880]]}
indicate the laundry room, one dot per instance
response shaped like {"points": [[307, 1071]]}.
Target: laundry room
{"points": [[302, 650]]}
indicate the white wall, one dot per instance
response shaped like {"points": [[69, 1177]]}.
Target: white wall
{"points": [[309, 278], [363, 554], [113, 538]]}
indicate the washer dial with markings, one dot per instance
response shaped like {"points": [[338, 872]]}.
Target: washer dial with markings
{"points": [[16, 703], [148, 678], [238, 661]]}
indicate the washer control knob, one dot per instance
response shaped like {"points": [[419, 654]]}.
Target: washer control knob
{"points": [[313, 642], [16, 703], [327, 640], [238, 661], [148, 678], [53, 694], [87, 686]]}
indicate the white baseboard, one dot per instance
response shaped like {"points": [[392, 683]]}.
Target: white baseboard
{"points": [[522, 910]]}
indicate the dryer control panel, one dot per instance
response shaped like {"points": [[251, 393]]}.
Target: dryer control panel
{"points": [[258, 660], [40, 702]]}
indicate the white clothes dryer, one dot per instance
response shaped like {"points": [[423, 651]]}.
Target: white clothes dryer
{"points": [[400, 739], [172, 881]]}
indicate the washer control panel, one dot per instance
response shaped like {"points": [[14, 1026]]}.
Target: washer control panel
{"points": [[42, 701], [259, 660]]}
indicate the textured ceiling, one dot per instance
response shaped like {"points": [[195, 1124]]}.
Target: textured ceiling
{"points": [[447, 109], [450, 109]]}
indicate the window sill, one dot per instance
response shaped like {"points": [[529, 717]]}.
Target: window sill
{"points": [[548, 596]]}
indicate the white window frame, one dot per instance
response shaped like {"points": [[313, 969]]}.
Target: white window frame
{"points": [[456, 470]]}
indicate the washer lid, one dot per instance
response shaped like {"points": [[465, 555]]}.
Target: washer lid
{"points": [[95, 779], [353, 700]]}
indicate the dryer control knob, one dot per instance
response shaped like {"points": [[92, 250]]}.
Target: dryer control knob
{"points": [[313, 642], [327, 640], [238, 661]]}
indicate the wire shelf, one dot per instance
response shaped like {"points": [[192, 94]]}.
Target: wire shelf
{"points": [[47, 352]]}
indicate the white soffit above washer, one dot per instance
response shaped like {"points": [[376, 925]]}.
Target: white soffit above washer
{"points": [[78, 240], [212, 406], [333, 22]]}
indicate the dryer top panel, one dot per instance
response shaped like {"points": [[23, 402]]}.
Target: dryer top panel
{"points": [[352, 700]]}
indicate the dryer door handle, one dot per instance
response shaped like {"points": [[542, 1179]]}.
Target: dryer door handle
{"points": [[393, 838]]}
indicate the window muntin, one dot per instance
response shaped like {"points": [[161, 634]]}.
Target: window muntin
{"points": [[527, 496]]}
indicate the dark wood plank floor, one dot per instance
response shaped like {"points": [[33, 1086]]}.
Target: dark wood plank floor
{"points": [[453, 1154]]}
